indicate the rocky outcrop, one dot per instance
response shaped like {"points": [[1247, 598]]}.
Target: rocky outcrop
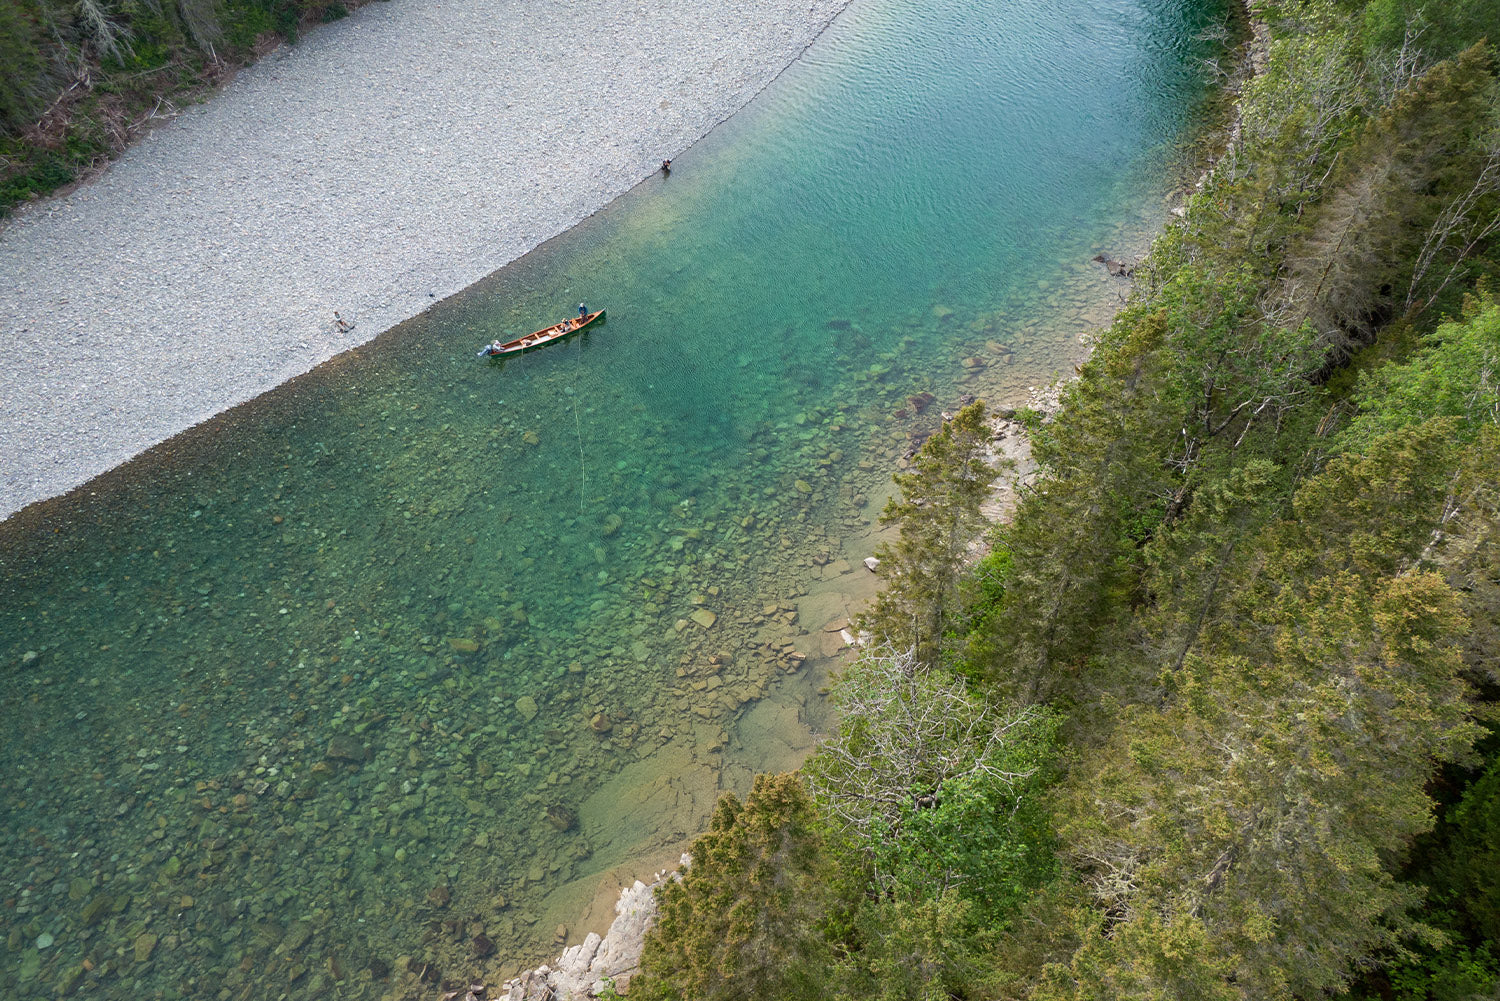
{"points": [[586, 969], [1115, 267]]}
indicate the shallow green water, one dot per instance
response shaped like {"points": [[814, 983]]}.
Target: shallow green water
{"points": [[401, 657]]}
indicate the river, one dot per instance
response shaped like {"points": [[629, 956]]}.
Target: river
{"points": [[403, 663]]}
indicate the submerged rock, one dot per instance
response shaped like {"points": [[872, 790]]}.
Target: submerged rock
{"points": [[561, 817], [96, 909], [344, 748]]}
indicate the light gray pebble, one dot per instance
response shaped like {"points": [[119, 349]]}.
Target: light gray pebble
{"points": [[399, 154]]}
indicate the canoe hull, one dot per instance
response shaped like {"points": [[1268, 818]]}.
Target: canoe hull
{"points": [[543, 337]]}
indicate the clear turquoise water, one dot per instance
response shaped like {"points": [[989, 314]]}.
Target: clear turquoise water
{"points": [[412, 552]]}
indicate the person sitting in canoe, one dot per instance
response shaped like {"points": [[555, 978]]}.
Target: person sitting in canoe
{"points": [[492, 348]]}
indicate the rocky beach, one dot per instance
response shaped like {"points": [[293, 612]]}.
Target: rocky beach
{"points": [[381, 164]]}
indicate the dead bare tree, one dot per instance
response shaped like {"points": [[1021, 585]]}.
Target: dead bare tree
{"points": [[110, 38], [1460, 228], [904, 732]]}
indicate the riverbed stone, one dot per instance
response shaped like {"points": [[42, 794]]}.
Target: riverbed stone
{"points": [[346, 748], [95, 909], [69, 980]]}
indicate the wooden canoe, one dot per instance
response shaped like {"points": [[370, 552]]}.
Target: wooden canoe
{"points": [[541, 338]]}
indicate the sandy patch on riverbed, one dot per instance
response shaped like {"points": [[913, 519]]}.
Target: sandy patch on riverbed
{"points": [[383, 163]]}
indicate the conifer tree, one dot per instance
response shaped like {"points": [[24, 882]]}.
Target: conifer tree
{"points": [[1283, 768], [740, 924], [939, 518]]}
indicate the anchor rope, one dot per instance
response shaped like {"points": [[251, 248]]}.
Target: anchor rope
{"points": [[583, 471]]}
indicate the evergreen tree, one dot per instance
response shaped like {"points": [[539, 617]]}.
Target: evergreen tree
{"points": [[939, 519], [741, 922]]}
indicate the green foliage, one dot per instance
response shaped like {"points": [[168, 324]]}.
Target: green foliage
{"points": [[1376, 512], [99, 67], [1248, 807], [1470, 870], [906, 737], [935, 801], [741, 923], [1456, 374], [1238, 606], [986, 841], [938, 513], [983, 594], [27, 79], [1192, 567], [1460, 861], [1075, 539], [1440, 30], [49, 173], [1456, 974], [1297, 119], [1154, 958], [915, 950]]}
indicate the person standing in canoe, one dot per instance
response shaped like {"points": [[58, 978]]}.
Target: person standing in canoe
{"points": [[582, 311]]}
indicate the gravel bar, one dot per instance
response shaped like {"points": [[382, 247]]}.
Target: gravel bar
{"points": [[385, 160]]}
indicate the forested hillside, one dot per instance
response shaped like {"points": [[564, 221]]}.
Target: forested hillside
{"points": [[1215, 719], [79, 77]]}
